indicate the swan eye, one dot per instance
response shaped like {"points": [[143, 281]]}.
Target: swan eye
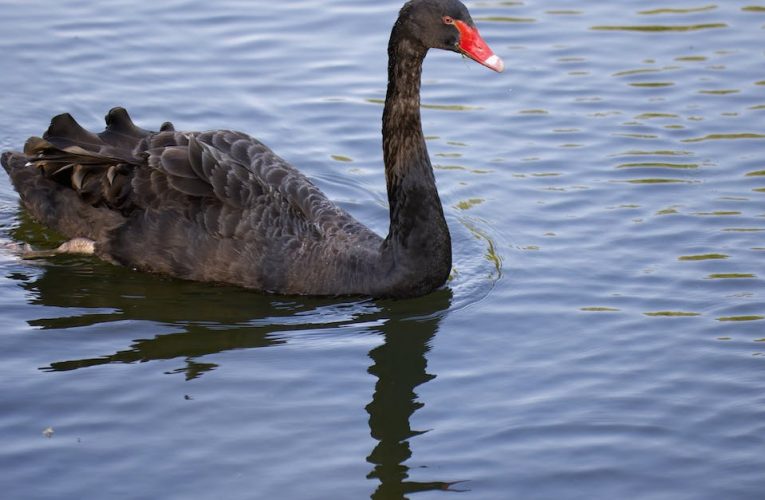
{"points": [[448, 20]]}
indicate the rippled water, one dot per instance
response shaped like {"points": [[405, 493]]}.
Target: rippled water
{"points": [[602, 334]]}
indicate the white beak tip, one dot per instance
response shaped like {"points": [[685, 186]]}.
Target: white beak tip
{"points": [[494, 62]]}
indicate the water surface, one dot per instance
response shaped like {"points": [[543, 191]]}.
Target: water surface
{"points": [[602, 333]]}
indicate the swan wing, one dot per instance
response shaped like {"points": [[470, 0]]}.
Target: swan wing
{"points": [[221, 178]]}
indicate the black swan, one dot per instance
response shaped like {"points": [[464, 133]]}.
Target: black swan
{"points": [[220, 206]]}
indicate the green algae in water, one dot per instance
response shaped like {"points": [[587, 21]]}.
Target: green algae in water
{"points": [[657, 181], [691, 58], [662, 28], [743, 318], [667, 211], [460, 167], [642, 71], [658, 165], [469, 203], [645, 116], [726, 137], [672, 314], [706, 256], [341, 158], [719, 213], [652, 84], [637, 136], [450, 107], [731, 276], [719, 92], [599, 309], [677, 11]]}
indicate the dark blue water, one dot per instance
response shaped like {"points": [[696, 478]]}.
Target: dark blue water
{"points": [[602, 333]]}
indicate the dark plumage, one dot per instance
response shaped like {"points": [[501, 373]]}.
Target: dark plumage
{"points": [[221, 206]]}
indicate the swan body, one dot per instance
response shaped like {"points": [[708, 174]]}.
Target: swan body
{"points": [[221, 206]]}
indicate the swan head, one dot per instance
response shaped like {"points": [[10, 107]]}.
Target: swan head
{"points": [[447, 25]]}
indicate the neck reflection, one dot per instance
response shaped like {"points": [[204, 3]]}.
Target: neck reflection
{"points": [[400, 365]]}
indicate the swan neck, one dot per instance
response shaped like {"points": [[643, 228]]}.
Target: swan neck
{"points": [[418, 237], [403, 140]]}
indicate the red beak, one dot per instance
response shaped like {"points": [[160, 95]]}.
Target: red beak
{"points": [[472, 45]]}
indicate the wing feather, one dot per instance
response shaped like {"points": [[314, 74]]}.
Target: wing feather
{"points": [[227, 181]]}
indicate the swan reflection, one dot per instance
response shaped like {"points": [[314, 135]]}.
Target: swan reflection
{"points": [[201, 320]]}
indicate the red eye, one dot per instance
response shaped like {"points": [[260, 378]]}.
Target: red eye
{"points": [[448, 20]]}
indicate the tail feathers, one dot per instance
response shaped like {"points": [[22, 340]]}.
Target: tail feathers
{"points": [[95, 166], [64, 131], [69, 211], [67, 143], [53, 157], [77, 181], [121, 133], [118, 141], [69, 154]]}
